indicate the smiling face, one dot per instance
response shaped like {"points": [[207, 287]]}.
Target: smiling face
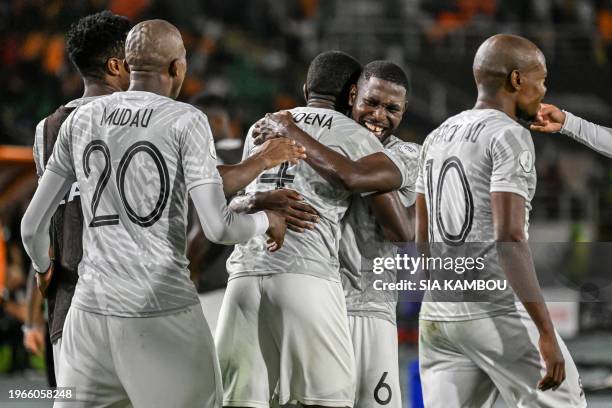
{"points": [[378, 105]]}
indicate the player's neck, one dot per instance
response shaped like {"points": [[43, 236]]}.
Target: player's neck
{"points": [[321, 101], [97, 87], [150, 82], [494, 102]]}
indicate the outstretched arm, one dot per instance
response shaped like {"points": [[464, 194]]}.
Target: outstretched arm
{"points": [[272, 153], [223, 226], [375, 172], [551, 119], [515, 258]]}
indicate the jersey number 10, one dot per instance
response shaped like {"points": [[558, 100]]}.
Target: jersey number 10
{"points": [[113, 219], [435, 202]]}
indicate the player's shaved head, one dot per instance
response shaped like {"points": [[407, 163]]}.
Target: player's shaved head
{"points": [[501, 54], [152, 45], [510, 73], [155, 55]]}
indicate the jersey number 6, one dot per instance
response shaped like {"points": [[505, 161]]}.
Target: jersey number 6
{"points": [[113, 219], [380, 386]]}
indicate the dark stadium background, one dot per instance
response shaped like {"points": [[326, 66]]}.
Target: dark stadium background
{"points": [[254, 54]]}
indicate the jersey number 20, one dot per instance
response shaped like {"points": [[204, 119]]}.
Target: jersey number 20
{"points": [[113, 219]]}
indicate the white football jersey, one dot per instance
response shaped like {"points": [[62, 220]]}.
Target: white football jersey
{"points": [[462, 162], [362, 241], [135, 156], [312, 252]]}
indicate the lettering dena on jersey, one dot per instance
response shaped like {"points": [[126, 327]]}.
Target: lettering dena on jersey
{"points": [[322, 120]]}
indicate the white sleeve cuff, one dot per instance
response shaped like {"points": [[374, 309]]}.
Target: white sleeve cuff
{"points": [[571, 126], [261, 223], [41, 270]]}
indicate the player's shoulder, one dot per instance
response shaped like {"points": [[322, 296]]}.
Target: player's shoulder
{"points": [[184, 108], [185, 114], [512, 133], [407, 150], [498, 124], [40, 126]]}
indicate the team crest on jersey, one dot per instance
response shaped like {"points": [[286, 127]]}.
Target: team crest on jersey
{"points": [[526, 161], [408, 149]]}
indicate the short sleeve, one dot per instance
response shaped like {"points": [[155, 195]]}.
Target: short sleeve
{"points": [[406, 156], [513, 159], [420, 180], [198, 154], [61, 161], [407, 197]]}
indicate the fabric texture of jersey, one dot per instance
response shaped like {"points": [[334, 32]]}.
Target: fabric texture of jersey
{"points": [[362, 241], [462, 162], [135, 156], [314, 252], [66, 225]]}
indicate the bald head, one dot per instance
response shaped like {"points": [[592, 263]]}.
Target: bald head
{"points": [[501, 54], [153, 45]]}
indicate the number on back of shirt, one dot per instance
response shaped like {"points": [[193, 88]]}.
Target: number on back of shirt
{"points": [[435, 201], [99, 220], [281, 178]]}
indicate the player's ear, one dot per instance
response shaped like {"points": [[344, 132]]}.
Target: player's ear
{"points": [[173, 69], [177, 68], [305, 91], [113, 66], [515, 80], [352, 95]]}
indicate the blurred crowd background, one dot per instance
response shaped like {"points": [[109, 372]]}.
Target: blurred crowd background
{"points": [[246, 58]]}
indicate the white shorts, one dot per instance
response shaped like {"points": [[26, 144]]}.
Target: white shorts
{"points": [[469, 363], [289, 333], [376, 359], [57, 347], [162, 361]]}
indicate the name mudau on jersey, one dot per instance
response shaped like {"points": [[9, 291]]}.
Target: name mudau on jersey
{"points": [[127, 117]]}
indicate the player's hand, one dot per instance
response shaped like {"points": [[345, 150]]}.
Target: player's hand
{"points": [[272, 126], [34, 339], [554, 362], [276, 230], [276, 151], [299, 216], [549, 119], [44, 279]]}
